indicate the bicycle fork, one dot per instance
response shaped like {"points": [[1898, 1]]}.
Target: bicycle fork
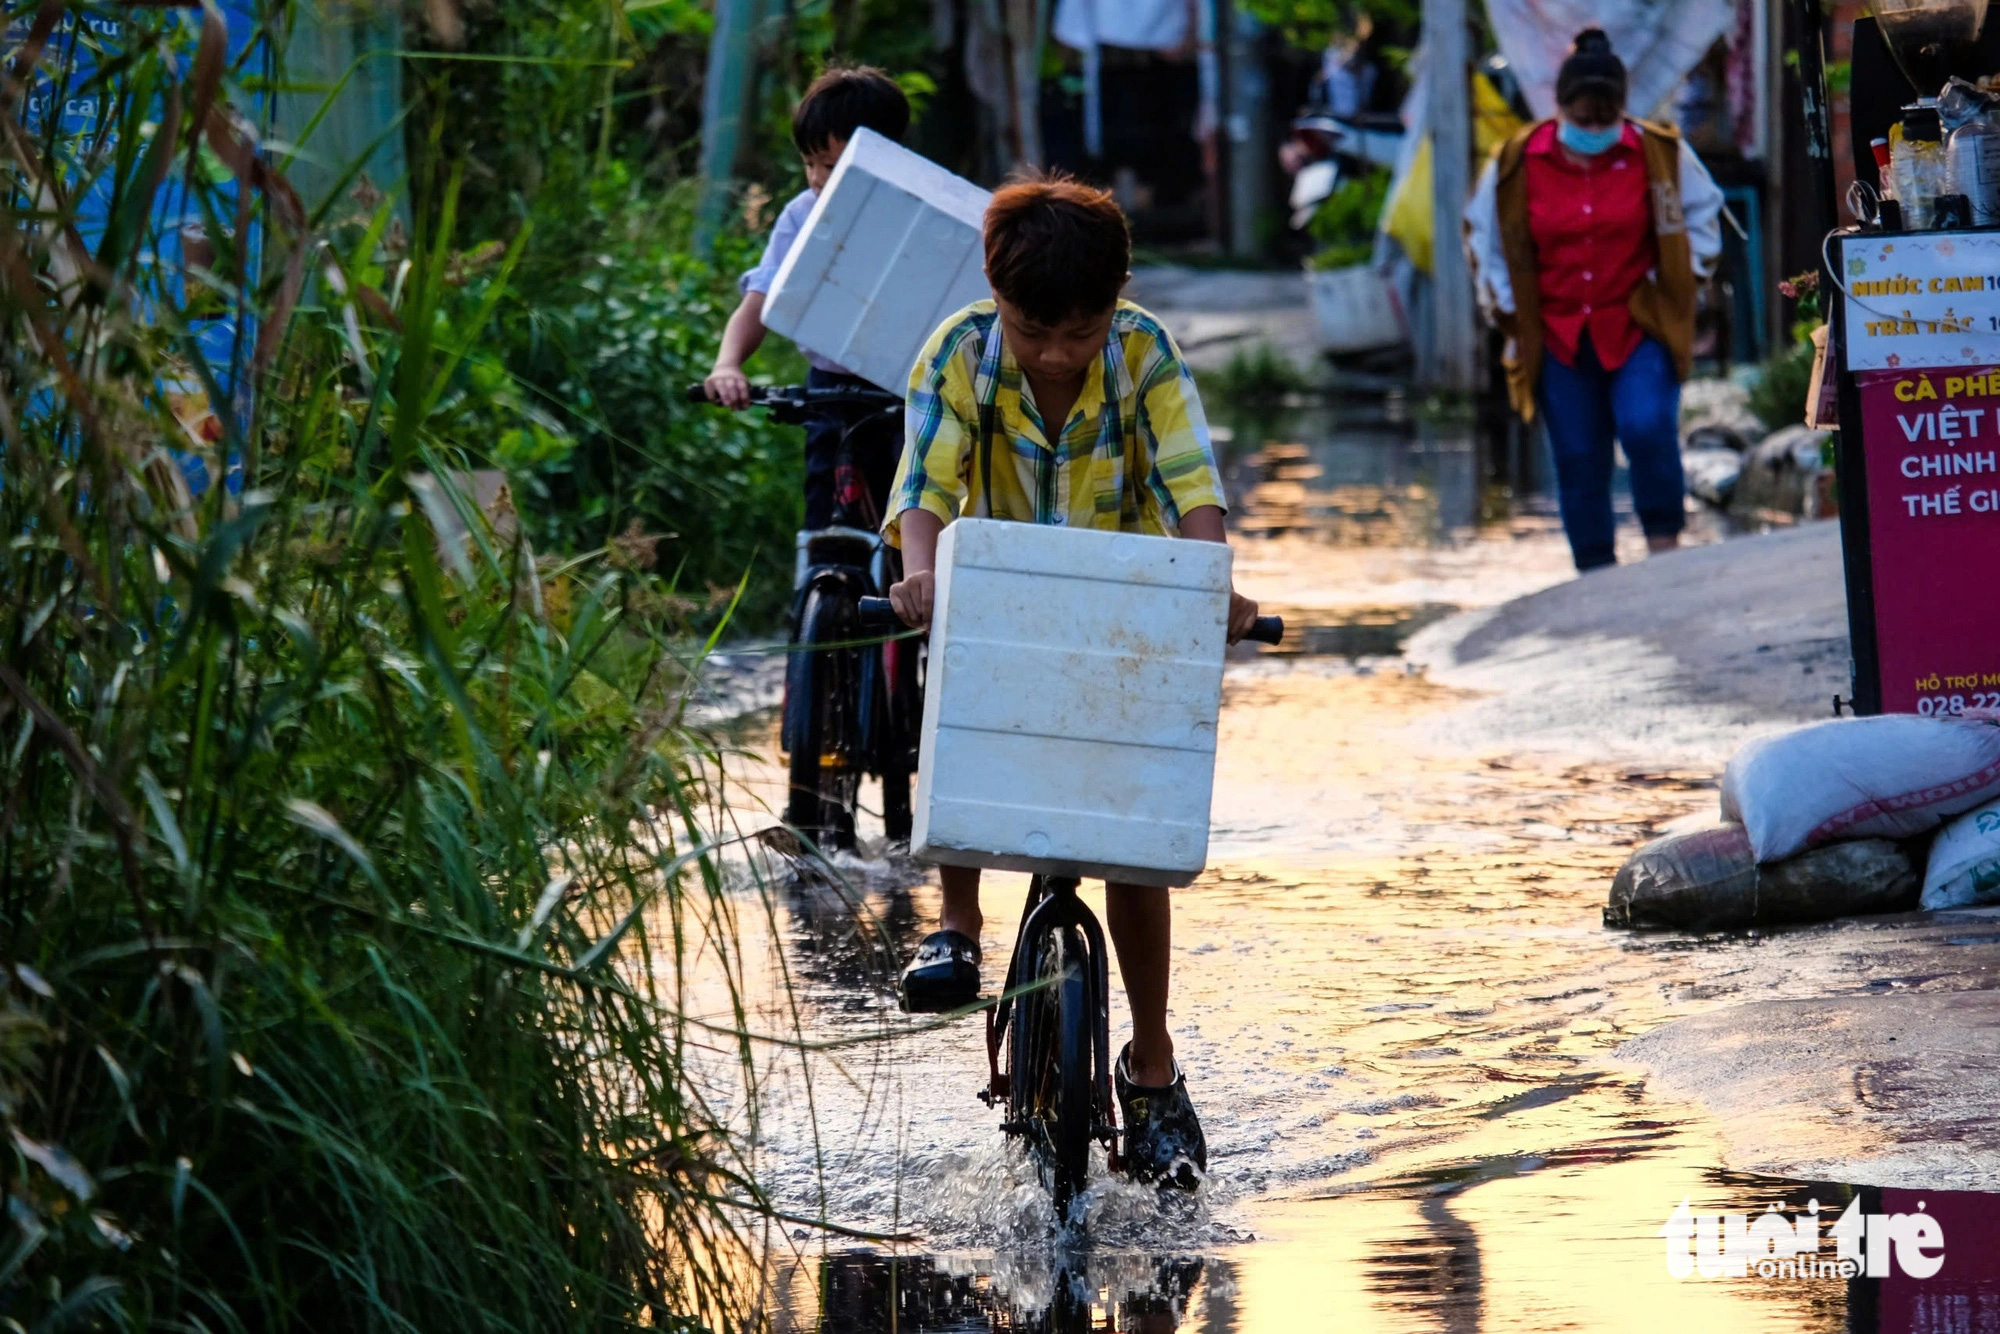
{"points": [[1053, 905]]}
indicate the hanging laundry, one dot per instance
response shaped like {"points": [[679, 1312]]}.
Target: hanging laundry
{"points": [[1659, 41], [1086, 26]]}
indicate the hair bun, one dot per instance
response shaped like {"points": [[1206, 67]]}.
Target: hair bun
{"points": [[1591, 68]]}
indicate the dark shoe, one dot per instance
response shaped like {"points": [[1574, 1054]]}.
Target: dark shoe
{"points": [[1163, 1140], [944, 974]]}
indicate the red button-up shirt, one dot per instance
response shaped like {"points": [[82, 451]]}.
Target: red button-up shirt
{"points": [[1592, 225]]}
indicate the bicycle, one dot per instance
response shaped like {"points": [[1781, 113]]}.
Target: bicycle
{"points": [[852, 707], [1054, 1016]]}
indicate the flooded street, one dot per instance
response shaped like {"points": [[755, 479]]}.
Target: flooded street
{"points": [[1393, 996]]}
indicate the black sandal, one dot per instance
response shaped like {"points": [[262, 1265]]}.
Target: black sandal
{"points": [[1163, 1139], [944, 974]]}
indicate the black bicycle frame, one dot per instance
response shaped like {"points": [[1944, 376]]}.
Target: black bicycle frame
{"points": [[849, 556], [850, 552]]}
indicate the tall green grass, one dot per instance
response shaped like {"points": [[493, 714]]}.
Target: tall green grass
{"points": [[348, 869]]}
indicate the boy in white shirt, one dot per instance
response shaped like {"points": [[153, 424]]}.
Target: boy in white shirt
{"points": [[839, 102]]}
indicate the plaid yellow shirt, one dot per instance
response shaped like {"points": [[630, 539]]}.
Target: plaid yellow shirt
{"points": [[1134, 456]]}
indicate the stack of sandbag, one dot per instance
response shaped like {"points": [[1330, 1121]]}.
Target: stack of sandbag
{"points": [[1819, 823]]}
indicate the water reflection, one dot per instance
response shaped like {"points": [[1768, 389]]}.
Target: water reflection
{"points": [[1436, 1275], [1963, 1297], [850, 926], [863, 1292], [1396, 1005], [1378, 483], [1363, 480], [1347, 632], [1398, 1260]]}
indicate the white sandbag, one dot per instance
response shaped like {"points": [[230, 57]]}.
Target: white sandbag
{"points": [[1965, 861], [1891, 776], [1712, 474]]}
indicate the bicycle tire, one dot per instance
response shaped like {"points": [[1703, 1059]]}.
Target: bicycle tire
{"points": [[824, 775], [1051, 1063]]}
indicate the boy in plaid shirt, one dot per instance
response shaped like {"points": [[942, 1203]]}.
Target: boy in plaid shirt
{"points": [[1058, 403]]}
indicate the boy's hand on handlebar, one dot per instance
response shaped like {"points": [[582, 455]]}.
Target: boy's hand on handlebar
{"points": [[1242, 615], [911, 598], [728, 386]]}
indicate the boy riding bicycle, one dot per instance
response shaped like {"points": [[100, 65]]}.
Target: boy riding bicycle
{"points": [[1056, 344], [839, 102]]}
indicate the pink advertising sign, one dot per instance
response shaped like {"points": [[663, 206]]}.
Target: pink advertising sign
{"points": [[1964, 1291], [1933, 465]]}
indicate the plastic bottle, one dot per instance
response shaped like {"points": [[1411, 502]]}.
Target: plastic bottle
{"points": [[1916, 166], [1972, 168]]}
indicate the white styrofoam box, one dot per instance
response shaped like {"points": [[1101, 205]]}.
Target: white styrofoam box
{"points": [[892, 247], [1070, 705]]}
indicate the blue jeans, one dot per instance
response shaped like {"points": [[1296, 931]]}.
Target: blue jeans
{"points": [[1587, 407]]}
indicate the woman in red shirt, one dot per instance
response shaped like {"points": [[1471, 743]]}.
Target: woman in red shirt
{"points": [[1611, 331]]}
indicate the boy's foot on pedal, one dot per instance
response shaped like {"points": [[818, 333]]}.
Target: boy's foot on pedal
{"points": [[1163, 1139], [944, 974]]}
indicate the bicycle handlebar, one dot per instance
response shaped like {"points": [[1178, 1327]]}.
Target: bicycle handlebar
{"points": [[1267, 630], [878, 616], [804, 396]]}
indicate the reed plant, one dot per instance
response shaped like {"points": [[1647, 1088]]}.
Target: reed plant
{"points": [[350, 868]]}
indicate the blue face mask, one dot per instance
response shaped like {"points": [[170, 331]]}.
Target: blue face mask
{"points": [[1588, 142]]}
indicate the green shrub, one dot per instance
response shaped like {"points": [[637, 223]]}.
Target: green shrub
{"points": [[1778, 396], [576, 388], [612, 317], [350, 871], [573, 122], [1259, 375], [1346, 221]]}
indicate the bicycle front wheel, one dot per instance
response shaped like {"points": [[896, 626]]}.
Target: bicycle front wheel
{"points": [[1051, 1059]]}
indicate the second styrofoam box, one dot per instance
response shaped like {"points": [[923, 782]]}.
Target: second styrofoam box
{"points": [[1069, 713], [891, 248]]}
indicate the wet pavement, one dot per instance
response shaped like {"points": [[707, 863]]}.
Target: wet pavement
{"points": [[1393, 996]]}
